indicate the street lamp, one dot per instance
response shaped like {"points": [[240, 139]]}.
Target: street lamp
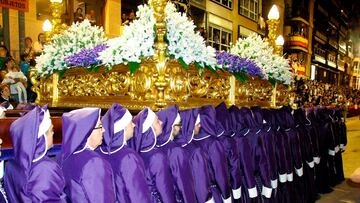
{"points": [[47, 27], [273, 23], [279, 43]]}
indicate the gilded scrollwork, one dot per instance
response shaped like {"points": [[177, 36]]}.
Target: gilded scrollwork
{"points": [[219, 87], [199, 86], [254, 92], [283, 95], [179, 85]]}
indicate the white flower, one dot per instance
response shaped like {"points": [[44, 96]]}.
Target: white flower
{"points": [[184, 42], [273, 66], [135, 43], [79, 36]]}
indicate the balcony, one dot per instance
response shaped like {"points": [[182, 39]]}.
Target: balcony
{"points": [[341, 65], [297, 42], [320, 37], [331, 60], [320, 55], [298, 68], [333, 43]]}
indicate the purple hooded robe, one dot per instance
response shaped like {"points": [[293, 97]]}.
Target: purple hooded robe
{"points": [[196, 156], [32, 176], [158, 172], [215, 154], [127, 165], [248, 181], [227, 139], [89, 178], [178, 161]]}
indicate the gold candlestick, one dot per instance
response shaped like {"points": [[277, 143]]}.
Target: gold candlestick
{"points": [[161, 81]]}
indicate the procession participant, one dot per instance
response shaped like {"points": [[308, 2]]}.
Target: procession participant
{"points": [[178, 161], [197, 157], [88, 176], [158, 173], [127, 165], [226, 134], [215, 155], [32, 176]]}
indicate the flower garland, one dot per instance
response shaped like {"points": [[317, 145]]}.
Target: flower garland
{"points": [[185, 44], [274, 67], [239, 67], [79, 36], [135, 43]]}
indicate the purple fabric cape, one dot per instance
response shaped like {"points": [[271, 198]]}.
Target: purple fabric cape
{"points": [[88, 176], [158, 172], [196, 155], [178, 161], [207, 140], [31, 176], [227, 139], [127, 165]]}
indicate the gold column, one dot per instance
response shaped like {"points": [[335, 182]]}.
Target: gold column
{"points": [[56, 7], [112, 18], [273, 28], [161, 81], [273, 23]]}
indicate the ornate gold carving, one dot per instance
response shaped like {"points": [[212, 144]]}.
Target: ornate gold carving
{"points": [[142, 83], [282, 95], [160, 57], [179, 84], [254, 92]]}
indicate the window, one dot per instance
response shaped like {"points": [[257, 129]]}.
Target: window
{"points": [[250, 8], [219, 38], [226, 3]]}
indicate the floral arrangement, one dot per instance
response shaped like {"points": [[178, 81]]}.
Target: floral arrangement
{"points": [[185, 44], [239, 67], [86, 57], [86, 45], [134, 44], [275, 68], [78, 37]]}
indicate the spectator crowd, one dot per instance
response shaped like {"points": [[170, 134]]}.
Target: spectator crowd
{"points": [[309, 93]]}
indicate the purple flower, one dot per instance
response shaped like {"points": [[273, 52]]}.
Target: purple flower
{"points": [[86, 57], [235, 64]]}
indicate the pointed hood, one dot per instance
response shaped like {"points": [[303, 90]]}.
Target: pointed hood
{"points": [[207, 122], [28, 134], [248, 117], [114, 122], [144, 138], [169, 117], [77, 125], [224, 119], [300, 117], [189, 119], [288, 117], [269, 117], [236, 119], [258, 116]]}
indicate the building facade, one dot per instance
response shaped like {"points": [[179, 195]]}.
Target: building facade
{"points": [[331, 46]]}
